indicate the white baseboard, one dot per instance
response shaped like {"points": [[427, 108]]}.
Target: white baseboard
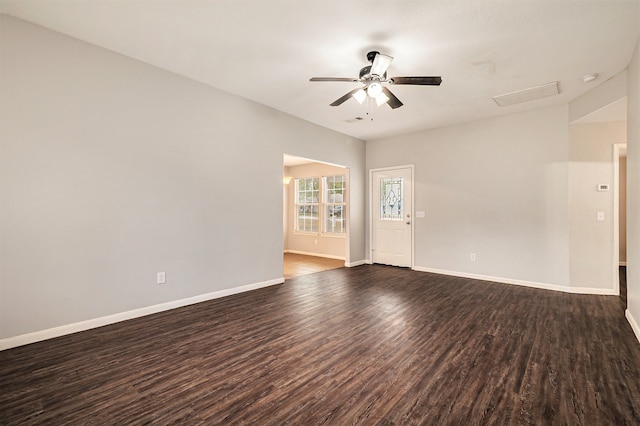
{"points": [[357, 263], [543, 286], [50, 333], [306, 253], [634, 323]]}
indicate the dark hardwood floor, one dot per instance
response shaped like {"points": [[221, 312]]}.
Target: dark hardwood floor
{"points": [[367, 345]]}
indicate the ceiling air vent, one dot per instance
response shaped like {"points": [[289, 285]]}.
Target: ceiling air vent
{"points": [[549, 89]]}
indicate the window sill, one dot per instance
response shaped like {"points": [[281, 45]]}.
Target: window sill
{"points": [[318, 234], [305, 233]]}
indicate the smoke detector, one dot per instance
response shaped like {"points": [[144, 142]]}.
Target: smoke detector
{"points": [[589, 77]]}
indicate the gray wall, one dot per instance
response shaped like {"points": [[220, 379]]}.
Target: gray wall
{"points": [[113, 170], [495, 187]]}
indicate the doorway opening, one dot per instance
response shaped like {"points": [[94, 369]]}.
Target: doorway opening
{"points": [[296, 265], [315, 220]]}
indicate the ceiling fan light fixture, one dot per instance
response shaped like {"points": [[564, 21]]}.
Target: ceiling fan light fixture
{"points": [[381, 99], [360, 96], [372, 79], [374, 89]]}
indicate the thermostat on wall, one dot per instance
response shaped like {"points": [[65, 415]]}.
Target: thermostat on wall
{"points": [[603, 187]]}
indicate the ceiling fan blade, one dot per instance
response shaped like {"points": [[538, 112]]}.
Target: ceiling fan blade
{"points": [[380, 64], [393, 101], [346, 97], [333, 79], [425, 81]]}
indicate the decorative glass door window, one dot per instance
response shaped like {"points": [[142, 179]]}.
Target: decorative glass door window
{"points": [[334, 204], [391, 190], [307, 190]]}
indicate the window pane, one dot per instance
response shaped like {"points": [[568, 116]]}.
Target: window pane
{"points": [[307, 204], [307, 218], [333, 211], [307, 190], [334, 187], [391, 207], [333, 219]]}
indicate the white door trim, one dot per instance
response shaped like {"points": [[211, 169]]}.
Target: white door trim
{"points": [[615, 270], [289, 212], [413, 216]]}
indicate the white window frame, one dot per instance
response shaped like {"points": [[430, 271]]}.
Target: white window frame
{"points": [[308, 204], [327, 203], [321, 205]]}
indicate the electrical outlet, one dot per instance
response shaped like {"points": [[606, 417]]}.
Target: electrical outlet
{"points": [[473, 257], [161, 277]]}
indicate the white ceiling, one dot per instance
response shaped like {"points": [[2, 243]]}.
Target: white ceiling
{"points": [[266, 50]]}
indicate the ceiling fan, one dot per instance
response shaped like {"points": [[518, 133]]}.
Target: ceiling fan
{"points": [[373, 76]]}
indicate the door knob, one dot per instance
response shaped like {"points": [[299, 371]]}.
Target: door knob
{"points": [[408, 222]]}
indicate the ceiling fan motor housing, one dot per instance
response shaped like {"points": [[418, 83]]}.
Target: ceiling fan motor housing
{"points": [[365, 75], [365, 72], [371, 56]]}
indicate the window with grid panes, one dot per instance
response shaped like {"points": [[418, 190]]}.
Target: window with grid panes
{"points": [[307, 204], [334, 204]]}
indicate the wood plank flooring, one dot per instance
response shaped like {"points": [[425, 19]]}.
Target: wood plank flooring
{"points": [[297, 265], [370, 345]]}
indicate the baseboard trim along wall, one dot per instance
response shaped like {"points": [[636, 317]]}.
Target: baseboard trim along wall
{"points": [[38, 336], [306, 253], [634, 324], [543, 286], [329, 256], [50, 333]]}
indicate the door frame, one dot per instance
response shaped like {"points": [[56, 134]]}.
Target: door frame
{"points": [[413, 208], [288, 207], [615, 272]]}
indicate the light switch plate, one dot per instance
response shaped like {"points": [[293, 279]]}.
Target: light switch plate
{"points": [[420, 213]]}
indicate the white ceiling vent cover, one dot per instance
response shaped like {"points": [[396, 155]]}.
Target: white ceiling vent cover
{"points": [[549, 89]]}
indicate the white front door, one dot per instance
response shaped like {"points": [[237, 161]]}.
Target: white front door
{"points": [[391, 217]]}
